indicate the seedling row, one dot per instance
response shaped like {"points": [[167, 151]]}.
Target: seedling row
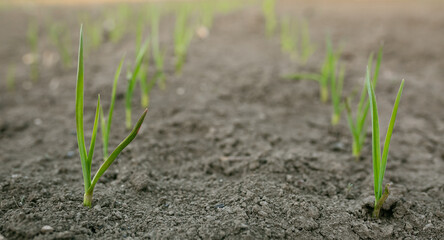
{"points": [[148, 72]]}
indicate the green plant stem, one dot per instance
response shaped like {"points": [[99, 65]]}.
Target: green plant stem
{"points": [[335, 119], [106, 124], [128, 118], [307, 47], [87, 199], [356, 151], [380, 202], [357, 123], [324, 93], [132, 83]]}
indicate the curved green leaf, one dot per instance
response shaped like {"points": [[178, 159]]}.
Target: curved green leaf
{"points": [[116, 153]]}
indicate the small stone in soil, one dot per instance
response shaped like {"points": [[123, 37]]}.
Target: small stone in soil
{"points": [[220, 205], [263, 213], [47, 229], [337, 147], [70, 154], [408, 227], [427, 226]]}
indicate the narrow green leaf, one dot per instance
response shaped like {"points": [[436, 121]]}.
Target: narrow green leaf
{"points": [[307, 47], [363, 102], [116, 152], [132, 82], [93, 137], [378, 64], [351, 125], [143, 85], [106, 130], [363, 128], [376, 148], [341, 79], [79, 114], [388, 136], [104, 136]]}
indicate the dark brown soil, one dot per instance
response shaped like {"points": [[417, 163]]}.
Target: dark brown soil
{"points": [[230, 150]]}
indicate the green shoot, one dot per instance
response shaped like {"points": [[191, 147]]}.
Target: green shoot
{"points": [[357, 124], [269, 10], [143, 76], [158, 54], [10, 78], [132, 83], [289, 38], [307, 48], [95, 32], [106, 122], [86, 158], [146, 86], [32, 35], [380, 161], [118, 19], [182, 37], [159, 76], [61, 39], [295, 40], [327, 70], [336, 84]]}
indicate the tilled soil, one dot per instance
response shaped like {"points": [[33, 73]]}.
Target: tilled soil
{"points": [[231, 150]]}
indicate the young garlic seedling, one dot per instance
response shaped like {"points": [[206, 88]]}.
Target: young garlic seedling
{"points": [[324, 76], [358, 124], [289, 39], [380, 161], [132, 82], [336, 84], [140, 30], [61, 39], [120, 17], [143, 78], [95, 32], [307, 47], [295, 40], [86, 158], [146, 86]]}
